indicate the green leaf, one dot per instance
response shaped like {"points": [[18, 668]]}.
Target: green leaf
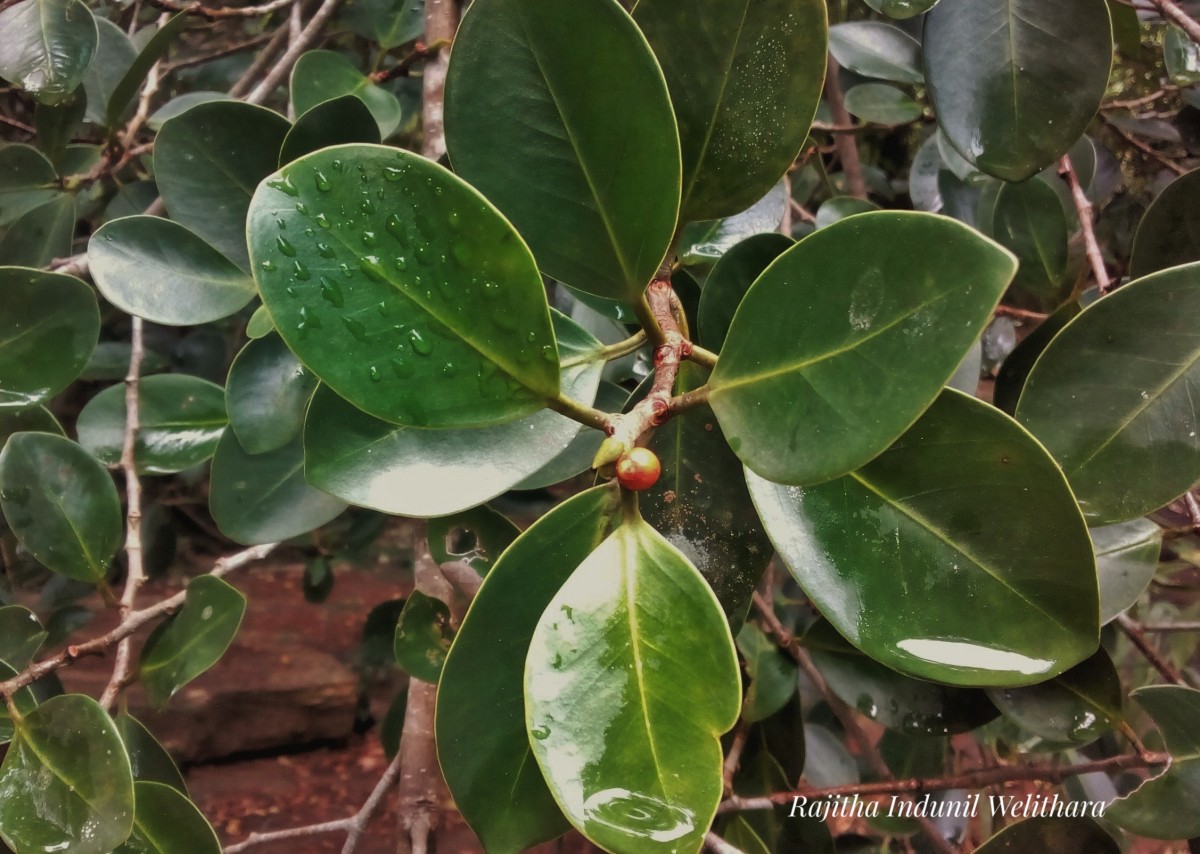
{"points": [[496, 786], [21, 636], [477, 537], [207, 162], [24, 700], [193, 640], [110, 362], [61, 504], [1111, 397], [166, 822], [898, 702], [1181, 56], [181, 419], [745, 79], [1126, 560], [1014, 371], [322, 75], [38, 237], [700, 504], [1075, 708], [705, 242], [631, 678], [1029, 220], [131, 81], [587, 171], [1016, 82], [48, 329], [902, 558], [47, 48], [115, 53], [36, 419], [260, 324], [180, 104], [262, 498], [1168, 234], [267, 395], [876, 49], [148, 759], [391, 290], [882, 104], [66, 781], [339, 120], [1060, 835], [902, 9], [886, 324], [1163, 807], [388, 23], [422, 472], [773, 676], [27, 181], [731, 277], [841, 207], [422, 637]]}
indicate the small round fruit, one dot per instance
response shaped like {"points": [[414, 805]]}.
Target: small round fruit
{"points": [[638, 469]]}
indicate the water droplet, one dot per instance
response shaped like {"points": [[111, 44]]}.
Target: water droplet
{"points": [[281, 222], [395, 227], [437, 191], [374, 374], [401, 262], [301, 271], [370, 238], [284, 185], [355, 328], [338, 166], [462, 253], [392, 173], [401, 368], [302, 208], [531, 337], [449, 369], [325, 250], [308, 320], [541, 733], [290, 291], [424, 254], [322, 181], [548, 353], [454, 219], [332, 293], [491, 289], [285, 247], [367, 206], [346, 271], [418, 343], [267, 265], [371, 265], [322, 220]]}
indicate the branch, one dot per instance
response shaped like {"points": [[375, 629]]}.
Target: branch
{"points": [[1138, 637], [717, 845], [1083, 207], [1019, 313], [1167, 628], [217, 13], [975, 779], [1143, 147], [130, 624], [1173, 13], [847, 148], [420, 51], [354, 825], [298, 46], [441, 21]]}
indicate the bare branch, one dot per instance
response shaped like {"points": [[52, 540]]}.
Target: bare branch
{"points": [[1083, 207], [1170, 10], [847, 148], [717, 845], [441, 22], [1137, 636], [298, 46], [219, 12]]}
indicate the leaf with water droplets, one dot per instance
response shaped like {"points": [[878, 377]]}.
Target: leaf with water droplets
{"points": [[65, 784], [402, 289], [21, 635], [631, 678], [193, 640], [157, 269], [61, 504], [903, 555], [181, 420], [48, 329], [47, 47]]}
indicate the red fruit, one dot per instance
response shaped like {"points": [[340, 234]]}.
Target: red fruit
{"points": [[638, 469]]}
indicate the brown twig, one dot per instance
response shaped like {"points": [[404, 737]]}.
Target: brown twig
{"points": [[1019, 314], [847, 148], [1083, 207], [1137, 636], [975, 779], [1143, 147], [441, 21], [420, 51], [220, 53], [1170, 10], [217, 13], [21, 126], [298, 46], [1168, 628], [717, 845], [1134, 103], [734, 756], [130, 624], [260, 64]]}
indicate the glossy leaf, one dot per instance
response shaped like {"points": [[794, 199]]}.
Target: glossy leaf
{"points": [[27, 180], [1014, 370], [148, 759], [773, 676], [38, 237], [423, 472], [731, 277], [135, 74], [588, 172], [886, 324], [207, 161], [115, 53], [898, 702], [388, 23], [496, 786], [1111, 397], [422, 636], [1126, 560], [21, 636], [745, 79], [1076, 707], [700, 504], [876, 49], [35, 419], [1060, 835], [1168, 234], [383, 304], [322, 75], [705, 242], [159, 270], [841, 207], [181, 104], [901, 9], [262, 498], [476, 537], [191, 641], [166, 822], [902, 557], [630, 680], [61, 504], [47, 48], [882, 104], [1163, 807], [48, 329], [66, 781], [24, 700], [1029, 220], [260, 324], [1016, 82], [1181, 55], [181, 419], [267, 395], [337, 121]]}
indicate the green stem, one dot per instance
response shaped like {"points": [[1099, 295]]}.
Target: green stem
{"points": [[703, 357], [629, 506], [577, 411]]}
